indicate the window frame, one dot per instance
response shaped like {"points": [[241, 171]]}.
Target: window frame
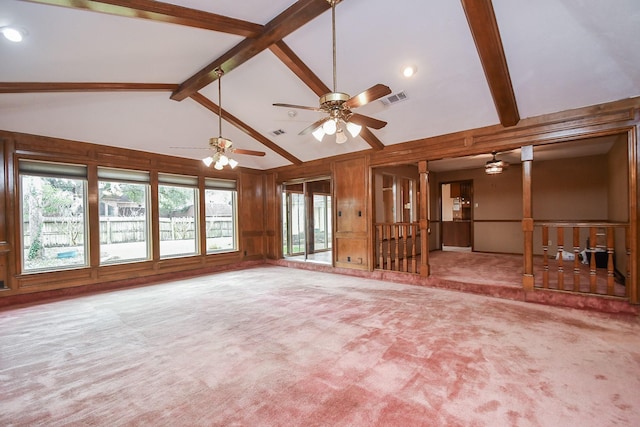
{"points": [[60, 170], [135, 177], [180, 181], [214, 184]]}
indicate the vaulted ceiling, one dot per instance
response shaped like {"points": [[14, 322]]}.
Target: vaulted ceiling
{"points": [[140, 74]]}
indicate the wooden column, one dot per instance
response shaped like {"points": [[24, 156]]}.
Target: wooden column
{"points": [[527, 218], [423, 218], [634, 211]]}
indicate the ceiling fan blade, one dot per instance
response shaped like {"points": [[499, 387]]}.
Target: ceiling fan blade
{"points": [[367, 121], [313, 126], [248, 152], [371, 94], [301, 107]]}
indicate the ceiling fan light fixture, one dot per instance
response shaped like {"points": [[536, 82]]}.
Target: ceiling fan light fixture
{"points": [[494, 166], [329, 127], [207, 161], [224, 160], [341, 138], [318, 133], [493, 169], [232, 163], [218, 166], [354, 129]]}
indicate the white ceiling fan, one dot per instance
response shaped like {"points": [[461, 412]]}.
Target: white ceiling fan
{"points": [[338, 105]]}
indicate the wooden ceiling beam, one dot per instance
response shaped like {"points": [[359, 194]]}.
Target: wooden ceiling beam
{"points": [[31, 87], [299, 68], [281, 26], [213, 107], [308, 77], [484, 28], [163, 12]]}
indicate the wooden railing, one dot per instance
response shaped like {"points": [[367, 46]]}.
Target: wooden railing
{"points": [[568, 270], [397, 246]]}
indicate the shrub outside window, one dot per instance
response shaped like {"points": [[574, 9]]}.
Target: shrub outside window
{"points": [[221, 215], [124, 215], [53, 206], [178, 208]]}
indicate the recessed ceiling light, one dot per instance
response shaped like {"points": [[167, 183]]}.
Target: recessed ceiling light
{"points": [[409, 70], [13, 34]]}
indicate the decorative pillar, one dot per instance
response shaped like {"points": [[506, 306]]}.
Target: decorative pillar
{"points": [[527, 217], [423, 218]]}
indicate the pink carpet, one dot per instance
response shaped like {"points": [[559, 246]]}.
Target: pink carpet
{"points": [[272, 346]]}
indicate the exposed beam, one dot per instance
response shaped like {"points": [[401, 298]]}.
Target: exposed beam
{"points": [[308, 77], [299, 68], [213, 107], [484, 28], [29, 87], [281, 26], [163, 12]]}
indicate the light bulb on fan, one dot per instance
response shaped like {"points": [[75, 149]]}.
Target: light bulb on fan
{"points": [[224, 160], [330, 127], [353, 129], [318, 134], [207, 161], [341, 138]]}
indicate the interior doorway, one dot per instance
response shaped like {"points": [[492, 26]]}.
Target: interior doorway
{"points": [[457, 216], [306, 220]]}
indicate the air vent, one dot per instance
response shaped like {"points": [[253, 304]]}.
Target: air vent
{"points": [[394, 98], [278, 132]]}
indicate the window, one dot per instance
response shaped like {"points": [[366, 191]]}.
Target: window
{"points": [[53, 206], [178, 208], [124, 215], [220, 212]]}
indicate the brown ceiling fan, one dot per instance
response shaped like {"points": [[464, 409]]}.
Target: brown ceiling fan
{"points": [[338, 105], [220, 146]]}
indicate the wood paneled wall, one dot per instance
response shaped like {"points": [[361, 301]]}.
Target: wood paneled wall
{"points": [[352, 216], [14, 146], [259, 192]]}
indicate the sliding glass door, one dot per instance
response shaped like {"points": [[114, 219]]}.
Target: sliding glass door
{"points": [[293, 236], [306, 221]]}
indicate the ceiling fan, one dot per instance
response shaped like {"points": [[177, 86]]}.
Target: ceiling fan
{"points": [[338, 105], [221, 146], [495, 166]]}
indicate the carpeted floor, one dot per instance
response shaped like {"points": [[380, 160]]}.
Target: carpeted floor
{"points": [[273, 346]]}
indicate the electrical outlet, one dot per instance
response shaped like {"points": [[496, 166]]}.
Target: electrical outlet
{"points": [[549, 243]]}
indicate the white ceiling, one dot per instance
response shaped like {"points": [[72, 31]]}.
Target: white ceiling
{"points": [[561, 54]]}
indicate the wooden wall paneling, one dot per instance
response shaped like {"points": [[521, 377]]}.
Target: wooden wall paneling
{"points": [[633, 136], [155, 218], [4, 245], [350, 183], [423, 217], [251, 215], [94, 220], [202, 216], [352, 252], [527, 218], [10, 214], [272, 209]]}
